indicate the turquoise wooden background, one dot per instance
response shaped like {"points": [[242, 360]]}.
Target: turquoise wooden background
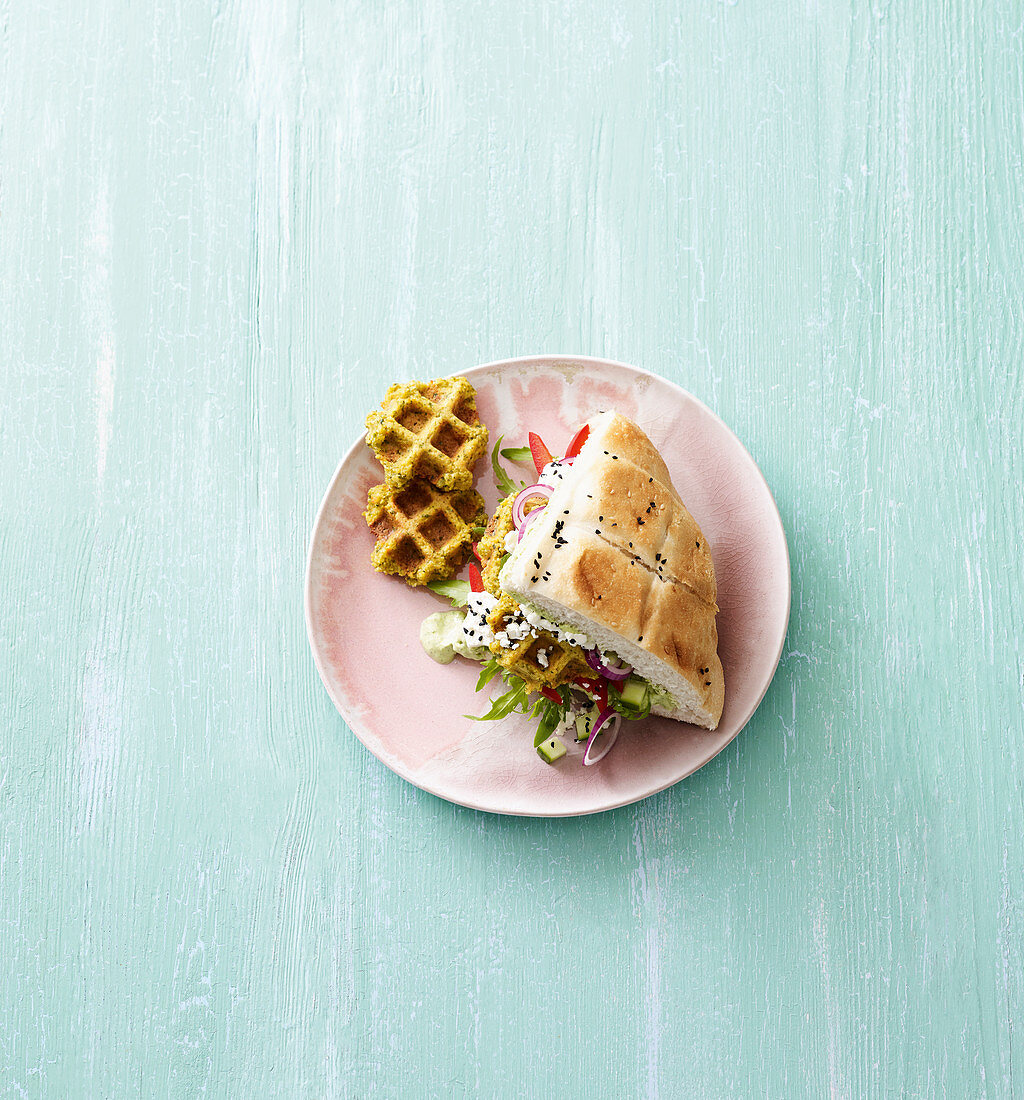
{"points": [[224, 227]]}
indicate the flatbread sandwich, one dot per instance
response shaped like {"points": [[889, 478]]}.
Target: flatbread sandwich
{"points": [[595, 599]]}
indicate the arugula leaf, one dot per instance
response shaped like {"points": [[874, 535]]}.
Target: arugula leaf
{"points": [[515, 700], [456, 591], [505, 484], [517, 454], [487, 673], [551, 718]]}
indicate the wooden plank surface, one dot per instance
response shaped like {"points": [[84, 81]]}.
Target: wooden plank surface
{"points": [[224, 227]]}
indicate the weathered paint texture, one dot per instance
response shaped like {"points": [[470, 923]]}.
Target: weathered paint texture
{"points": [[224, 227]]}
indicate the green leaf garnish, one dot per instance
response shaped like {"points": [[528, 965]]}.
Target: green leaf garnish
{"points": [[487, 673], [515, 700], [549, 722], [456, 591], [505, 484], [517, 454]]}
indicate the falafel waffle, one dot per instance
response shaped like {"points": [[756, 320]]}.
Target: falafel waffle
{"points": [[422, 533], [428, 430]]}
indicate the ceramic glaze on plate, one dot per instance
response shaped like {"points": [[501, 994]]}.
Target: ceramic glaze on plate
{"points": [[410, 712]]}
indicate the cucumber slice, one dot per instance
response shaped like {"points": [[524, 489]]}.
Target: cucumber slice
{"points": [[585, 723], [634, 691], [551, 750]]}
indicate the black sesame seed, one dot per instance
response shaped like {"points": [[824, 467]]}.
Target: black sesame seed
{"points": [[650, 479], [641, 638], [597, 530]]}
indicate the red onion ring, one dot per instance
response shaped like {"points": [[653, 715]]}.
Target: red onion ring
{"points": [[519, 512], [609, 739], [608, 671], [530, 517]]}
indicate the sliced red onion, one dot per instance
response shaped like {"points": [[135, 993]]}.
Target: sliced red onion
{"points": [[531, 492], [607, 740], [530, 517], [609, 671]]}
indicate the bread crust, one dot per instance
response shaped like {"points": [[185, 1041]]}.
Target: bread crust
{"points": [[617, 545]]}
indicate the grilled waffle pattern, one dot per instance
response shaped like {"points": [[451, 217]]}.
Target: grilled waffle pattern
{"points": [[422, 533], [564, 662], [428, 430]]}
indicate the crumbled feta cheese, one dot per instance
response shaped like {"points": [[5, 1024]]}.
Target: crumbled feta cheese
{"points": [[539, 622], [542, 658], [475, 625], [511, 540]]}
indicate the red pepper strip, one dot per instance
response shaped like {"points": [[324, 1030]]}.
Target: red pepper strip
{"points": [[476, 553], [578, 440], [476, 580], [550, 693], [588, 683], [541, 455], [596, 686]]}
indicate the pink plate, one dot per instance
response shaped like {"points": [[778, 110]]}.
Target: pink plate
{"points": [[410, 712]]}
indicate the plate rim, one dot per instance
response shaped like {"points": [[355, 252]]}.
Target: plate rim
{"points": [[553, 359]]}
